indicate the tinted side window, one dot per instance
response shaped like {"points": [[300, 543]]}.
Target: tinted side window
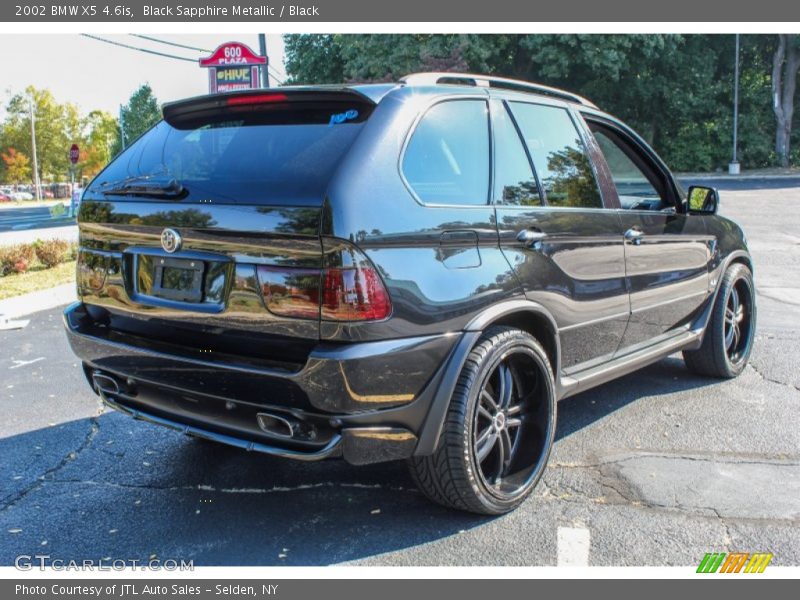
{"points": [[514, 180], [447, 158], [558, 155], [634, 187]]}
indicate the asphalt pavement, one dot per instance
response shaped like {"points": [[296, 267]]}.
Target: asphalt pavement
{"points": [[656, 468], [20, 218]]}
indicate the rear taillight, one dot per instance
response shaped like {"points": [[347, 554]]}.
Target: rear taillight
{"points": [[255, 99], [354, 294], [347, 288], [290, 292]]}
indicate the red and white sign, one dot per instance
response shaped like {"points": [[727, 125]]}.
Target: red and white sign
{"points": [[74, 154], [233, 66], [232, 54]]}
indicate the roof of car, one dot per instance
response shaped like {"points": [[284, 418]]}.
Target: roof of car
{"points": [[417, 83], [433, 81]]}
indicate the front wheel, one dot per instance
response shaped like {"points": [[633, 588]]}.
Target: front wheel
{"points": [[729, 334], [498, 430]]}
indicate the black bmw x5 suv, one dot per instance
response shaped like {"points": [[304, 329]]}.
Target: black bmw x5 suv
{"points": [[412, 271]]}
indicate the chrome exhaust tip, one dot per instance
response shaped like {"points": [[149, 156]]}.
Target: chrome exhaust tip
{"points": [[105, 383], [276, 425]]}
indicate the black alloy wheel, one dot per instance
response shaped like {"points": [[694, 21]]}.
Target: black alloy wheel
{"points": [[499, 428]]}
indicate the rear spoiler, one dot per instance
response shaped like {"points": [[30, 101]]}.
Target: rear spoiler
{"points": [[183, 112]]}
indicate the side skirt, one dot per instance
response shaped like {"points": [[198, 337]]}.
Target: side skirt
{"points": [[627, 363]]}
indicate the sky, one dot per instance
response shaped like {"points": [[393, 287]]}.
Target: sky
{"points": [[96, 75]]}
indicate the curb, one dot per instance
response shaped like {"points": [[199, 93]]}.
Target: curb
{"points": [[726, 177], [27, 236], [26, 304]]}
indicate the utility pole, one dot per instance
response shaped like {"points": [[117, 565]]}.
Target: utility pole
{"points": [[734, 167], [264, 69], [36, 182], [121, 128]]}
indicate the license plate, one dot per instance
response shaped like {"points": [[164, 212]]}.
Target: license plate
{"points": [[178, 279]]}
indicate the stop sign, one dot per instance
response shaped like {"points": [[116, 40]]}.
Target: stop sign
{"points": [[74, 154]]}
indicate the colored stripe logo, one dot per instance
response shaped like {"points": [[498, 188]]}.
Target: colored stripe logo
{"points": [[735, 562]]}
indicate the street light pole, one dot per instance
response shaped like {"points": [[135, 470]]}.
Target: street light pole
{"points": [[734, 167], [36, 182]]}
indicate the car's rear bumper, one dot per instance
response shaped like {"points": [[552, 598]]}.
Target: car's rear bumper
{"points": [[367, 401]]}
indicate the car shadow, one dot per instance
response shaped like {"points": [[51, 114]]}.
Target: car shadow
{"points": [[111, 487], [664, 377]]}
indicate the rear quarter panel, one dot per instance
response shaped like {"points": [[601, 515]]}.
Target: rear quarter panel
{"points": [[437, 284]]}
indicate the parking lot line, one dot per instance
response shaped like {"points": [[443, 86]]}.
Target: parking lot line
{"points": [[573, 546]]}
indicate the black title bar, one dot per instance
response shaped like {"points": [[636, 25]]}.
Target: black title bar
{"points": [[439, 11]]}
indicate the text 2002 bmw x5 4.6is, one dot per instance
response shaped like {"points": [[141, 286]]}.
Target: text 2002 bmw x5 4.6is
{"points": [[409, 271]]}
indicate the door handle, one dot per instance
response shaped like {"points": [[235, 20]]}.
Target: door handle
{"points": [[530, 236], [634, 236]]}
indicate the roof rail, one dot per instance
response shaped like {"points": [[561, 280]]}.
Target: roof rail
{"points": [[488, 81]]}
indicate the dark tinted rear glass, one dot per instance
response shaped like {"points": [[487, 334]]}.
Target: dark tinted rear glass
{"points": [[447, 158], [558, 154], [242, 160]]}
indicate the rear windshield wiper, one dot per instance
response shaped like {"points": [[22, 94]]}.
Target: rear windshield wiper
{"points": [[157, 187]]}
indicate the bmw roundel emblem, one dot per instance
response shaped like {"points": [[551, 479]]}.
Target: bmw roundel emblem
{"points": [[171, 240]]}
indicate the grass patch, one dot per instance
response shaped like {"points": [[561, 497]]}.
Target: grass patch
{"points": [[37, 278]]}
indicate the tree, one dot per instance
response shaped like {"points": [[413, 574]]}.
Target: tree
{"points": [[313, 58], [785, 65], [333, 58], [140, 113], [58, 126], [17, 166], [675, 90], [102, 138]]}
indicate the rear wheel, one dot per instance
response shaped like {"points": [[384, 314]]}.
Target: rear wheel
{"points": [[729, 334], [499, 427]]}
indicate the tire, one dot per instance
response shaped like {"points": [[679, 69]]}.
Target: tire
{"points": [[511, 368], [728, 339]]}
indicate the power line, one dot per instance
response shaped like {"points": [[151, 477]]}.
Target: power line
{"points": [[274, 76], [272, 71], [270, 68], [168, 43], [129, 47]]}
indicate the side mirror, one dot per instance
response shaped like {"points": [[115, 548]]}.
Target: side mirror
{"points": [[703, 200]]}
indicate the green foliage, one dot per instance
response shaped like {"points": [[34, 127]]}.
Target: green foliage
{"points": [[101, 143], [140, 113], [313, 58], [58, 126], [675, 90], [571, 182]]}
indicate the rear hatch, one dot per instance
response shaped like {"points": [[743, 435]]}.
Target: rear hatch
{"points": [[203, 237]]}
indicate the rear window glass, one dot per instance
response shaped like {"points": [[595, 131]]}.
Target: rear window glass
{"points": [[240, 161], [447, 158]]}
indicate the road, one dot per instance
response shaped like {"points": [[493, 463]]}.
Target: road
{"points": [[656, 468], [31, 217]]}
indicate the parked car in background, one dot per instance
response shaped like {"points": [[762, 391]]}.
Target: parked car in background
{"points": [[412, 271], [4, 197], [21, 196]]}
